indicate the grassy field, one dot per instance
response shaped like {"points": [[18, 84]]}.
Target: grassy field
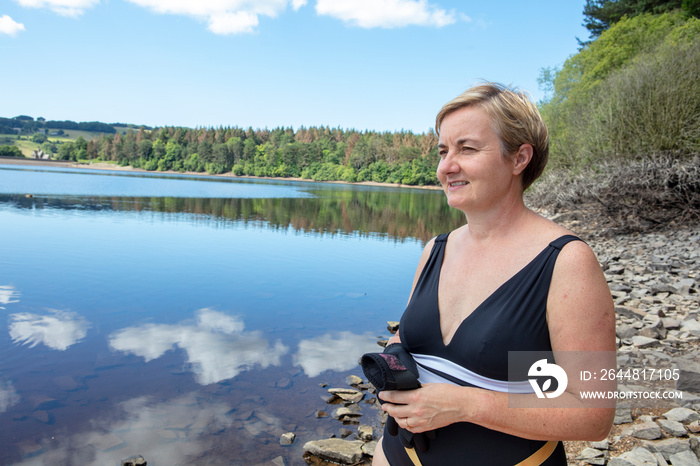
{"points": [[27, 146]]}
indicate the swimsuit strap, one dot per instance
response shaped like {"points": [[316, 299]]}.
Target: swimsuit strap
{"points": [[563, 241]]}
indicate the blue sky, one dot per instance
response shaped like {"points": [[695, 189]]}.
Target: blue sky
{"points": [[383, 65]]}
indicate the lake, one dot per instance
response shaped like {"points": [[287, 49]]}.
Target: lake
{"points": [[192, 319]]}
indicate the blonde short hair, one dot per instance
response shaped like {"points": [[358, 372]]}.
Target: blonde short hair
{"points": [[514, 118]]}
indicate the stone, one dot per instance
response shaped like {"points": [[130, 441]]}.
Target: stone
{"points": [[683, 286], [602, 445], [647, 431], [287, 438], [623, 413], [368, 448], [629, 312], [392, 326], [684, 458], [668, 447], [682, 415], [600, 461], [660, 459], [624, 331], [694, 444], [137, 460], [694, 427], [654, 330], [673, 428], [353, 380], [618, 461], [589, 453], [365, 432], [670, 323], [689, 375], [347, 394], [342, 451], [345, 433], [639, 456], [640, 341], [321, 414], [691, 325], [343, 412]]}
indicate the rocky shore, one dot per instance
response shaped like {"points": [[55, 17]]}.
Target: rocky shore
{"points": [[653, 278]]}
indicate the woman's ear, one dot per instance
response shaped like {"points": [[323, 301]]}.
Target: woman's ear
{"points": [[522, 158]]}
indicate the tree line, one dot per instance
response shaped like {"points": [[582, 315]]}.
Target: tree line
{"points": [[318, 153], [23, 124]]}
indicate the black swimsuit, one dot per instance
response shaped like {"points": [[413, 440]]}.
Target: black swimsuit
{"points": [[513, 318]]}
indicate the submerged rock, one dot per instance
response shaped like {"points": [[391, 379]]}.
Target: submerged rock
{"points": [[137, 460]]}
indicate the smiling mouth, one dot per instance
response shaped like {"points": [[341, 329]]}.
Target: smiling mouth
{"points": [[458, 183]]}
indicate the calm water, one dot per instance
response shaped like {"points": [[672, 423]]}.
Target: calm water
{"points": [[191, 319]]}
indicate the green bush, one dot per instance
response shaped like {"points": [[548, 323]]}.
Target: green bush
{"points": [[649, 107], [633, 90], [10, 151]]}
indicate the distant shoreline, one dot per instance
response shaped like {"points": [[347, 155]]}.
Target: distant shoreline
{"points": [[109, 166]]}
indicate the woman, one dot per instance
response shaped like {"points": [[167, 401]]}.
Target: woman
{"points": [[508, 280]]}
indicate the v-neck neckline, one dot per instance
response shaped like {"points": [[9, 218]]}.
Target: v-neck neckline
{"points": [[490, 297]]}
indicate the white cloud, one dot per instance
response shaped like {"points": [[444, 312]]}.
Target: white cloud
{"points": [[10, 27], [8, 395], [217, 347], [233, 23], [334, 351], [72, 8], [57, 331], [386, 13], [296, 4], [222, 16], [7, 293]]}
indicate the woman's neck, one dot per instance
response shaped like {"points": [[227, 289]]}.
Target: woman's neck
{"points": [[511, 216]]}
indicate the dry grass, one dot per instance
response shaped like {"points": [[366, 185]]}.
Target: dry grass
{"points": [[623, 196]]}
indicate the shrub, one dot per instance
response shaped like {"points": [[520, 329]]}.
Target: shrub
{"points": [[10, 151], [633, 91]]}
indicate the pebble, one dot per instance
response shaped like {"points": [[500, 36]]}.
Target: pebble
{"points": [[287, 438]]}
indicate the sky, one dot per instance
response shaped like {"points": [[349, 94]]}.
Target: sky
{"points": [[381, 65]]}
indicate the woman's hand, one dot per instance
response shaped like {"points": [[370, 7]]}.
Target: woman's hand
{"points": [[427, 408]]}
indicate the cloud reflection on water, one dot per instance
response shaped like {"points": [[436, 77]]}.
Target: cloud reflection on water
{"points": [[8, 395], [8, 292], [338, 351], [57, 331], [165, 433], [217, 347]]}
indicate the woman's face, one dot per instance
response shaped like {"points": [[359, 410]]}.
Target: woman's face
{"points": [[473, 172]]}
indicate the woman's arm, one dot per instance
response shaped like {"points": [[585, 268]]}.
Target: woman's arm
{"points": [[580, 315]]}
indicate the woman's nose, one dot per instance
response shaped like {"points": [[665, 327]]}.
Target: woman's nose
{"points": [[447, 165]]}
